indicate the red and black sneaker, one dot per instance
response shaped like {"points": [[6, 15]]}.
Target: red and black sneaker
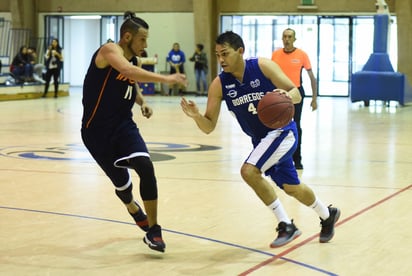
{"points": [[153, 238]]}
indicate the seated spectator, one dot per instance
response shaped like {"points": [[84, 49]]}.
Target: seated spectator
{"points": [[147, 62], [38, 69], [31, 55], [21, 68], [176, 59], [39, 72]]}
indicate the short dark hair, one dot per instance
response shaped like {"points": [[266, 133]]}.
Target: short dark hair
{"points": [[132, 23], [290, 29], [232, 39], [200, 46]]}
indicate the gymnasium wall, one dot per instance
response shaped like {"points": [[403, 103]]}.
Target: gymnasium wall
{"points": [[206, 14], [292, 6], [343, 6], [114, 5]]}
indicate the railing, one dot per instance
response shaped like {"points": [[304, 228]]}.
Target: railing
{"points": [[11, 39]]}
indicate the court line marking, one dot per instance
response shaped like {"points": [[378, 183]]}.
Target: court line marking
{"points": [[296, 246], [308, 266], [254, 268]]}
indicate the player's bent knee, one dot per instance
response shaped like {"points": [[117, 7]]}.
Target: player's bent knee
{"points": [[249, 172], [148, 184], [142, 165], [125, 195], [301, 192], [293, 190]]}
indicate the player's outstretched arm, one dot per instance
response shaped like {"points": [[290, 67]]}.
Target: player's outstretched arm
{"points": [[208, 121], [111, 54]]}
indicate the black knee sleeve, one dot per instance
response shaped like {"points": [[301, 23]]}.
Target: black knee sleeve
{"points": [[148, 184], [125, 196]]}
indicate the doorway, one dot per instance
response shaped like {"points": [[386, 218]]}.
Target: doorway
{"points": [[80, 36], [334, 55]]}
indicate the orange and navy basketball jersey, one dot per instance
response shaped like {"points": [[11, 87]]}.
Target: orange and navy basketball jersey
{"points": [[292, 64], [242, 98], [108, 96]]}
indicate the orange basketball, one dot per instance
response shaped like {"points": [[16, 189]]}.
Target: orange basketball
{"points": [[275, 110]]}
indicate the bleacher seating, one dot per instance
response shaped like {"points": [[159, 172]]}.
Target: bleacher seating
{"points": [[30, 91], [4, 69]]}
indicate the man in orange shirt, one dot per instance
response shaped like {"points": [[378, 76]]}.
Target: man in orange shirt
{"points": [[292, 60]]}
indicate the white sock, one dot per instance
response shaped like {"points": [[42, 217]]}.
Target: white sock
{"points": [[320, 208], [280, 213]]}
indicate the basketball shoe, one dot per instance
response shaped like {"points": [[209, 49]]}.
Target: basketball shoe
{"points": [[141, 219], [287, 232], [328, 225], [153, 238]]}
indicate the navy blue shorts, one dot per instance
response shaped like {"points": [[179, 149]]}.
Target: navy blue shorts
{"points": [[112, 147]]}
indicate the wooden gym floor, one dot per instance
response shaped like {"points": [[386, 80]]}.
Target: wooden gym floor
{"points": [[59, 214]]}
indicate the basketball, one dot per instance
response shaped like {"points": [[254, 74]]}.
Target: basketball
{"points": [[275, 110]]}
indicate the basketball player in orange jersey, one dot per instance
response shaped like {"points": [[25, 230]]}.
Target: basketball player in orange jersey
{"points": [[241, 84], [108, 131], [292, 61]]}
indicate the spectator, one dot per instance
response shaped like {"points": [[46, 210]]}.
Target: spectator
{"points": [[21, 68], [37, 68], [32, 55], [54, 63], [176, 59], [148, 63], [200, 59]]}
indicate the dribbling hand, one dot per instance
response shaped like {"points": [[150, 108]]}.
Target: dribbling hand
{"points": [[282, 91], [146, 111]]}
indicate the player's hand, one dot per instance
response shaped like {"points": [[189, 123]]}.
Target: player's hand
{"points": [[178, 78], [189, 107], [314, 104], [282, 91], [147, 111]]}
